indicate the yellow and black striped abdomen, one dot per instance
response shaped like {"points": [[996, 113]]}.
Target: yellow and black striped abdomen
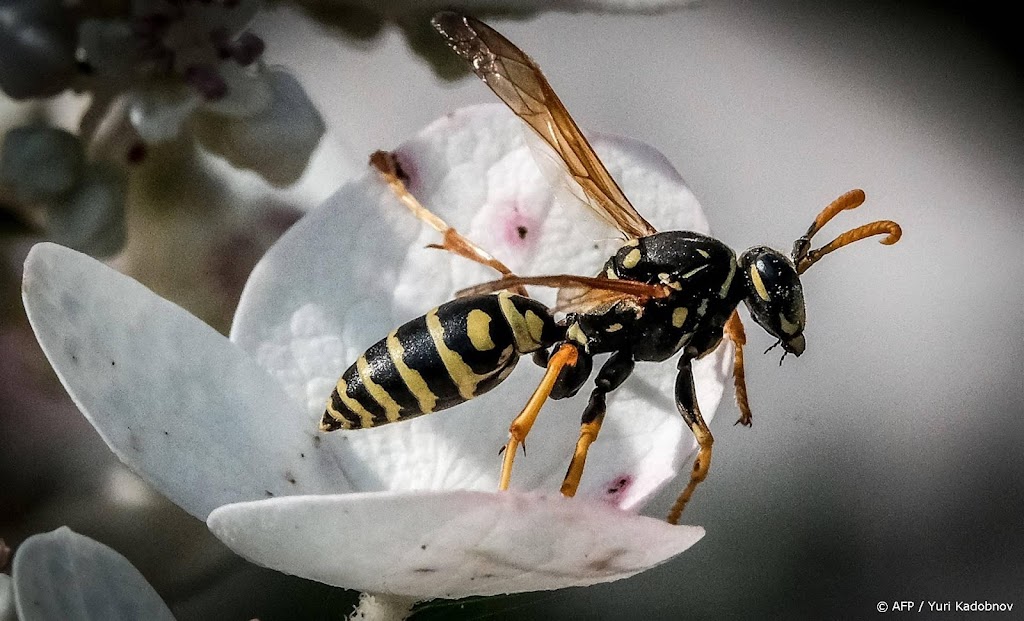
{"points": [[455, 352]]}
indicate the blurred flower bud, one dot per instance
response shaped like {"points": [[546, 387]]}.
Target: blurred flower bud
{"points": [[91, 218], [276, 143], [37, 48], [40, 162]]}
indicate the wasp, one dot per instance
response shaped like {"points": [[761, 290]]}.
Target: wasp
{"points": [[661, 294]]}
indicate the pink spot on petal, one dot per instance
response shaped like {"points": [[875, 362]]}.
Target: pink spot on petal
{"points": [[518, 230], [615, 489]]}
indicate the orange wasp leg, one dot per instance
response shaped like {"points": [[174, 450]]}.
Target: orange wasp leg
{"points": [[454, 242], [612, 374], [686, 401], [588, 433], [566, 355], [734, 332]]}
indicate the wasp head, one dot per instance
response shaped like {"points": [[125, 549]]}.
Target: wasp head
{"points": [[774, 296]]}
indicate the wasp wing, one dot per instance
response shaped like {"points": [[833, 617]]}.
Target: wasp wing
{"points": [[593, 301], [578, 294], [518, 81]]}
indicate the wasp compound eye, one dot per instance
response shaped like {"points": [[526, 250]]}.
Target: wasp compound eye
{"points": [[774, 296]]}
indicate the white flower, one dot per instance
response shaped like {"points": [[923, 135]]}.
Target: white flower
{"points": [[171, 66], [62, 575], [227, 428]]}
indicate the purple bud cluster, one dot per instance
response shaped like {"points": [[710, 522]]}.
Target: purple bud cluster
{"points": [[157, 55]]}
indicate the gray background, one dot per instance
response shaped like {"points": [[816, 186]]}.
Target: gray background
{"points": [[885, 463]]}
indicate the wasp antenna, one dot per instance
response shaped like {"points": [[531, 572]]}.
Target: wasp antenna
{"points": [[890, 229], [850, 200]]}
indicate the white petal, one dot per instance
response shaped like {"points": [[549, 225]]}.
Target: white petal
{"points": [[249, 92], [175, 400], [276, 142], [158, 113], [91, 217], [448, 544], [63, 575], [356, 268], [7, 612]]}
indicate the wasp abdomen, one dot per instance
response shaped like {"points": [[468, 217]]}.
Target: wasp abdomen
{"points": [[455, 352]]}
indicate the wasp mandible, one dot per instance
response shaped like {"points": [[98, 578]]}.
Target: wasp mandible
{"points": [[660, 294]]}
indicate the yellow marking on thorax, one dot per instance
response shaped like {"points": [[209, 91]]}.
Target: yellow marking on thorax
{"points": [[525, 342], [615, 327], [412, 378], [381, 396], [703, 253], [694, 271], [665, 279], [352, 404], [755, 277], [679, 316], [458, 370], [631, 259], [610, 273], [478, 325], [728, 279], [576, 334]]}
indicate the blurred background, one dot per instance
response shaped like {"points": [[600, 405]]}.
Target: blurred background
{"points": [[884, 464]]}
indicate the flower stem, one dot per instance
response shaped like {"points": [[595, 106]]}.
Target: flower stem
{"points": [[374, 607]]}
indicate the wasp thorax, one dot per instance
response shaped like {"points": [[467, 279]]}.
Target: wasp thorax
{"points": [[774, 295]]}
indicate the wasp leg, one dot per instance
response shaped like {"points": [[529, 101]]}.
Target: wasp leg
{"points": [[567, 355], [686, 401], [454, 242], [734, 332], [612, 374]]}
